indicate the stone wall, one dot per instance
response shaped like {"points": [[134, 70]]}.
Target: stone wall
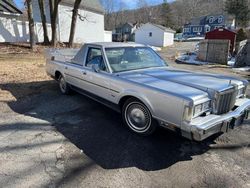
{"points": [[243, 56]]}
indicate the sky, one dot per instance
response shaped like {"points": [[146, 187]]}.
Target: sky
{"points": [[19, 3], [130, 3]]}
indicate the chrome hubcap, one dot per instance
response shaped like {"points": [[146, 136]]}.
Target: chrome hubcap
{"points": [[138, 117]]}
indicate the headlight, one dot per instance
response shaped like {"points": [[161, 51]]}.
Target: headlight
{"points": [[206, 105], [200, 108], [241, 92]]}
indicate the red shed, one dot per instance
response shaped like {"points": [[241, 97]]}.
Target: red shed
{"points": [[222, 33]]}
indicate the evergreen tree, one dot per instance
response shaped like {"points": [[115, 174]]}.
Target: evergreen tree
{"points": [[240, 9], [241, 35], [166, 14]]}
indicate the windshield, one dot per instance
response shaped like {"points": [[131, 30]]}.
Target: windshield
{"points": [[132, 58]]}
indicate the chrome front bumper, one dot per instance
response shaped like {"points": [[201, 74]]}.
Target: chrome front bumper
{"points": [[203, 127]]}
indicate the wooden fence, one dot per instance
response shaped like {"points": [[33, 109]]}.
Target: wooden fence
{"points": [[214, 51]]}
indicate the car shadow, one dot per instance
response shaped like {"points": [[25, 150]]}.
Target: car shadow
{"points": [[98, 131]]}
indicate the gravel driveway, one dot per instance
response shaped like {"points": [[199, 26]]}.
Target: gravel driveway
{"points": [[51, 140]]}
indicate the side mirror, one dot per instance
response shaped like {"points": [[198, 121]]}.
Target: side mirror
{"points": [[96, 68]]}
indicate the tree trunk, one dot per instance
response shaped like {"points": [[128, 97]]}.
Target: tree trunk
{"points": [[51, 9], [73, 22], [55, 4], [31, 24], [236, 21], [43, 18]]}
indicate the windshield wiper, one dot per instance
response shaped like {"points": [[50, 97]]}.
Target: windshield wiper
{"points": [[140, 68]]}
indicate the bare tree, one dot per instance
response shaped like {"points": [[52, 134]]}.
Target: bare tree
{"points": [[180, 11], [31, 24], [109, 6], [43, 18], [144, 13], [121, 7], [54, 11], [73, 22], [51, 9]]}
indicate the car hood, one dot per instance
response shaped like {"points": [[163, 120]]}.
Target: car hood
{"points": [[181, 82]]}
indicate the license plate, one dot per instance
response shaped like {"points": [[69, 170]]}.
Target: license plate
{"points": [[238, 121], [247, 114]]}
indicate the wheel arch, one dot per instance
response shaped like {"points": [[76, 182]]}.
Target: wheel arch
{"points": [[141, 98], [57, 74]]}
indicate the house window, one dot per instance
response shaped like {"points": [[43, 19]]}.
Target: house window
{"points": [[186, 30], [150, 34], [208, 28], [220, 19], [197, 29], [211, 19], [216, 27]]}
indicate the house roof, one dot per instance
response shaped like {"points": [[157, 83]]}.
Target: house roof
{"points": [[8, 6], [197, 20], [92, 5], [222, 30], [167, 29], [127, 23]]}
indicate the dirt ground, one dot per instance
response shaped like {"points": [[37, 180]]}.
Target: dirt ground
{"points": [[51, 140]]}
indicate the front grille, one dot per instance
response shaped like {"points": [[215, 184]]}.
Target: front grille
{"points": [[225, 101]]}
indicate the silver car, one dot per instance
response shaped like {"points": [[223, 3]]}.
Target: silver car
{"points": [[134, 80]]}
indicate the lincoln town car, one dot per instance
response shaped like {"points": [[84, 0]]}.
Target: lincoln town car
{"points": [[135, 81]]}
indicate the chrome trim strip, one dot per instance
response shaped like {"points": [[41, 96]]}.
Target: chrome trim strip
{"points": [[91, 83]]}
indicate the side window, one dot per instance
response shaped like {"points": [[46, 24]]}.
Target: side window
{"points": [[94, 56]]}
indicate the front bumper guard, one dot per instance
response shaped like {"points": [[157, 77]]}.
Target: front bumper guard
{"points": [[203, 127]]}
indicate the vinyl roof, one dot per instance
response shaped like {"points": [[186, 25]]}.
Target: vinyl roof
{"points": [[116, 44], [8, 6], [92, 5]]}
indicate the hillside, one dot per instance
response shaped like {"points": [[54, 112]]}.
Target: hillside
{"points": [[181, 12]]}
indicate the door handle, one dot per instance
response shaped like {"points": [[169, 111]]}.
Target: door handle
{"points": [[84, 73], [66, 68]]}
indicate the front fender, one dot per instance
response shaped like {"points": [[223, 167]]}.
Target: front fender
{"points": [[142, 97]]}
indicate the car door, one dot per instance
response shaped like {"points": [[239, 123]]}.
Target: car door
{"points": [[98, 82], [74, 74]]}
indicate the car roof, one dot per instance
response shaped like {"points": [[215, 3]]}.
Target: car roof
{"points": [[116, 44]]}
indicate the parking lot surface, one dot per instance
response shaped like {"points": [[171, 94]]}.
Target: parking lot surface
{"points": [[51, 140]]}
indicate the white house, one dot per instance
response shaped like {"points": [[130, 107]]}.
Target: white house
{"points": [[12, 29], [89, 26], [90, 21], [154, 35]]}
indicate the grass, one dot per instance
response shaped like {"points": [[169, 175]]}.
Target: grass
{"points": [[18, 69]]}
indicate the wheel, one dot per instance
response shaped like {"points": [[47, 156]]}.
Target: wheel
{"points": [[63, 85], [137, 117]]}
